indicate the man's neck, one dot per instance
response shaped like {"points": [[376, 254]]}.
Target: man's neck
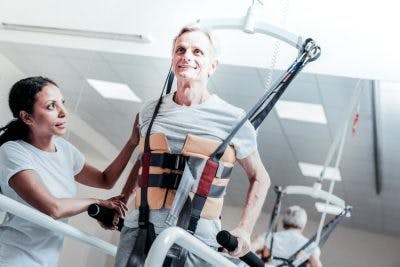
{"points": [[191, 93]]}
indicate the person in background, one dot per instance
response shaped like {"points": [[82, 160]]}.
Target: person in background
{"points": [[288, 241]]}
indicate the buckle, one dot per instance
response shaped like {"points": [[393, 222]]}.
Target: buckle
{"points": [[177, 180], [180, 161]]}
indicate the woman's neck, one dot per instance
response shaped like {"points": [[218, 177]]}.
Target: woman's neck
{"points": [[42, 143], [190, 93]]}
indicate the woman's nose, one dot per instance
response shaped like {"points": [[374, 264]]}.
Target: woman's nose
{"points": [[62, 112]]}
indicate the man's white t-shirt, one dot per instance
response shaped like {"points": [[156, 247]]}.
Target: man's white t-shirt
{"points": [[23, 243], [213, 119]]}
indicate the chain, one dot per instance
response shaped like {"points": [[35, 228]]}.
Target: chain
{"points": [[276, 48]]}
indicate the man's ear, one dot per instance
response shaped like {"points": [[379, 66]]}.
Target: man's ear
{"points": [[213, 67], [26, 117]]}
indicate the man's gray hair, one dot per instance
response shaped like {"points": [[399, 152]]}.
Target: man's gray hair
{"points": [[294, 217], [197, 27]]}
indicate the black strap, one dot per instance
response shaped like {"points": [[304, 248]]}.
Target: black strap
{"points": [[147, 233], [164, 180], [174, 162], [166, 83], [170, 81], [255, 115], [273, 224]]}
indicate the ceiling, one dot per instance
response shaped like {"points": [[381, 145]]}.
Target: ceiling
{"points": [[282, 143], [356, 38]]}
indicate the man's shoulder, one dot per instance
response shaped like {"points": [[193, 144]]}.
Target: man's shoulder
{"points": [[223, 104]]}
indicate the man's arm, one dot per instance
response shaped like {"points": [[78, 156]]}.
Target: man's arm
{"points": [[259, 184], [314, 260]]}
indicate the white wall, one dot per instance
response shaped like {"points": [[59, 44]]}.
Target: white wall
{"points": [[9, 74], [346, 247]]}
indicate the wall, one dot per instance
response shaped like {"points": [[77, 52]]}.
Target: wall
{"points": [[9, 74]]}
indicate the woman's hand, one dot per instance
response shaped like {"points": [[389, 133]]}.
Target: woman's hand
{"points": [[116, 203], [135, 136]]}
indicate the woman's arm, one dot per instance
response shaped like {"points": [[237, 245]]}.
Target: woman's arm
{"points": [[28, 186], [91, 176]]}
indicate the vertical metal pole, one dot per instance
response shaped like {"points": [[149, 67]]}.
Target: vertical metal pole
{"points": [[375, 105]]}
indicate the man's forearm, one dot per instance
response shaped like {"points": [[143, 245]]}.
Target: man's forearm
{"points": [[254, 201], [259, 184]]}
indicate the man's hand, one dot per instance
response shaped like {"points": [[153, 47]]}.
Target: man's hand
{"points": [[244, 244]]}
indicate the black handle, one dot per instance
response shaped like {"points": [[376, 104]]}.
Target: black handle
{"points": [[230, 242], [104, 215]]}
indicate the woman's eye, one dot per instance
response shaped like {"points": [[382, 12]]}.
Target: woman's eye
{"points": [[51, 106]]}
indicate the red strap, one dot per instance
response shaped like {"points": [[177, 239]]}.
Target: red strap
{"points": [[145, 170], [209, 172]]}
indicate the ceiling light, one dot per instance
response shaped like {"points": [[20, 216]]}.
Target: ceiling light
{"points": [[314, 170], [75, 32], [114, 90], [301, 111]]}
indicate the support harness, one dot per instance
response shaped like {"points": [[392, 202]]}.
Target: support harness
{"points": [[184, 173]]}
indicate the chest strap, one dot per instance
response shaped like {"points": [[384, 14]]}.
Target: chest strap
{"points": [[174, 162], [203, 190]]}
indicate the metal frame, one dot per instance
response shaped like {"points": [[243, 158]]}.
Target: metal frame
{"points": [[23, 211]]}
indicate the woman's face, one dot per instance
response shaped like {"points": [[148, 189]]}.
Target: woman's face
{"points": [[192, 57], [49, 116]]}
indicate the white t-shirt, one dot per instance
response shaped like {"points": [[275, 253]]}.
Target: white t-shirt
{"points": [[286, 243], [213, 119], [23, 243]]}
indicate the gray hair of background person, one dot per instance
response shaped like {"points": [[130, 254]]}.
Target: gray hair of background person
{"points": [[294, 217]]}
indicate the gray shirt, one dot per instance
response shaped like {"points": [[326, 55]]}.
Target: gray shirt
{"points": [[213, 119]]}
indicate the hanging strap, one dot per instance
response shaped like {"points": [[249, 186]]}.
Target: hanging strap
{"points": [[146, 229], [308, 53], [273, 225], [144, 207]]}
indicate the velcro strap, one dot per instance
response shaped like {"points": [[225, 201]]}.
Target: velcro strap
{"points": [[166, 180], [203, 189], [209, 171], [198, 202], [223, 171], [217, 191], [168, 161]]}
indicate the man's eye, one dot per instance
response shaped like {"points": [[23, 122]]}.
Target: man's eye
{"points": [[198, 52]]}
